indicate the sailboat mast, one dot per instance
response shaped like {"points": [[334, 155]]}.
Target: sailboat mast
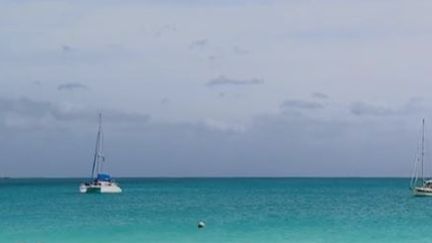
{"points": [[97, 147], [422, 153]]}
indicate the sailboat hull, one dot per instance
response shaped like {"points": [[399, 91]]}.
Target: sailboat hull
{"points": [[422, 192], [100, 187]]}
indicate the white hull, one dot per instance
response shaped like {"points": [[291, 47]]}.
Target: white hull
{"points": [[100, 187], [422, 191]]}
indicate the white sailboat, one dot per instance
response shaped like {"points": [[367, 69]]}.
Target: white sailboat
{"points": [[102, 182], [420, 185]]}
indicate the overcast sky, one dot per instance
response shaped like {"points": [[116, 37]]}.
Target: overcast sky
{"points": [[214, 88]]}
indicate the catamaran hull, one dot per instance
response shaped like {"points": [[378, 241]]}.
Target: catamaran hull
{"points": [[113, 188], [422, 192]]}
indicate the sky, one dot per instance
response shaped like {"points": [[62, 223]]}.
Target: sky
{"points": [[214, 88]]}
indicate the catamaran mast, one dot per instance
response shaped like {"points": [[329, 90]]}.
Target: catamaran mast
{"points": [[422, 152], [97, 147]]}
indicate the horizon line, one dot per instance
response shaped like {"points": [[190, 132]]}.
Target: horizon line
{"points": [[212, 177]]}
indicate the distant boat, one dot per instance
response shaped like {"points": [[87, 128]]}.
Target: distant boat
{"points": [[102, 182], [420, 185]]}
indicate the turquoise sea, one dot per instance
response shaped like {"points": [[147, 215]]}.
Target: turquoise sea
{"points": [[235, 210]]}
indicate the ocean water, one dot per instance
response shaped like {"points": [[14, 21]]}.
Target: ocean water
{"points": [[235, 210]]}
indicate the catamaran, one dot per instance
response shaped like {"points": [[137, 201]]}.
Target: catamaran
{"points": [[420, 185], [102, 182]]}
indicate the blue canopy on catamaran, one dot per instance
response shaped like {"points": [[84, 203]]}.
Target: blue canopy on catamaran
{"points": [[103, 177]]}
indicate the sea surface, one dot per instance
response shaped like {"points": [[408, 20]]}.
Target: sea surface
{"points": [[234, 209]]}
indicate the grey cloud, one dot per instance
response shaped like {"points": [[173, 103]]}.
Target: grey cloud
{"points": [[66, 48], [364, 109], [412, 106], [71, 86], [109, 115], [198, 44], [279, 145], [222, 80], [273, 145], [165, 101], [320, 95], [25, 106], [27, 109], [301, 104]]}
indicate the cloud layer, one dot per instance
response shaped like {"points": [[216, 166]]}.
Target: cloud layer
{"points": [[71, 86], [301, 104], [28, 113], [222, 81]]}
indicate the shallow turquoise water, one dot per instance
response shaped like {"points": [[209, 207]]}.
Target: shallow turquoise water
{"points": [[236, 210]]}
